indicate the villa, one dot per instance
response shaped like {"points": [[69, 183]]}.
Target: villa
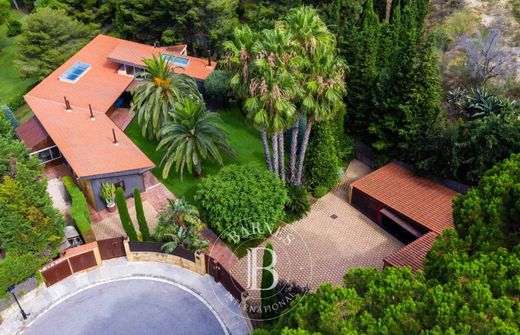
{"points": [[82, 109]]}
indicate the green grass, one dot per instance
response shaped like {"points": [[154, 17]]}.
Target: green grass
{"points": [[11, 83], [244, 139]]}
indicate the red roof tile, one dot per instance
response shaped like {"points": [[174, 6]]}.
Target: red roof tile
{"points": [[418, 199], [33, 134], [412, 255]]}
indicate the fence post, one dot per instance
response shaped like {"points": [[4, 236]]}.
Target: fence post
{"points": [[97, 255], [200, 262], [129, 254]]}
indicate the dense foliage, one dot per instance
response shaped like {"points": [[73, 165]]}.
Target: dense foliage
{"points": [[48, 39], [124, 216], [139, 213], [5, 11], [31, 230], [180, 226], [190, 136], [217, 85], [322, 159], [79, 210], [470, 283], [240, 198], [14, 27], [298, 205]]}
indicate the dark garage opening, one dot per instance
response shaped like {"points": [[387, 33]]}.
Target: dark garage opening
{"points": [[398, 228]]}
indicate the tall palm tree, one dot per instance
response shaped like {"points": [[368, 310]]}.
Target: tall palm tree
{"points": [[191, 135], [311, 34], [156, 96], [324, 90]]}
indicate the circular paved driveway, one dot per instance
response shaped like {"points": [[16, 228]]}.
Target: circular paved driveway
{"points": [[129, 307]]}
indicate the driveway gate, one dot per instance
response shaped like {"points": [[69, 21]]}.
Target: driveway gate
{"points": [[111, 248]]}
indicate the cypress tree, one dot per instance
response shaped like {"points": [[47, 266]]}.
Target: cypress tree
{"points": [[141, 219], [124, 215], [268, 295]]}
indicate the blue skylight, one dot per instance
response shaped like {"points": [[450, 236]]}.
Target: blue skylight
{"points": [[75, 72], [176, 60]]}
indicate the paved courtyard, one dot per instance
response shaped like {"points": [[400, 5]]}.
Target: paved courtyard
{"points": [[333, 238]]}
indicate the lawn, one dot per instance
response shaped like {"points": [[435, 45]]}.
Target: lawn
{"points": [[244, 139], [11, 83]]}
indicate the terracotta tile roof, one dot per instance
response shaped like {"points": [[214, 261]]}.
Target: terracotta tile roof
{"points": [[412, 255], [33, 134], [418, 199], [132, 53], [87, 145]]}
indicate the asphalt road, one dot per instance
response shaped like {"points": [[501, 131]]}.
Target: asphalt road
{"points": [[128, 307]]}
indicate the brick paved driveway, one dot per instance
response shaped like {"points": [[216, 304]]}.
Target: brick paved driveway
{"points": [[335, 245]]}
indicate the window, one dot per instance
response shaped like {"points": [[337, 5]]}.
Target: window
{"points": [[75, 72], [48, 154], [176, 60]]}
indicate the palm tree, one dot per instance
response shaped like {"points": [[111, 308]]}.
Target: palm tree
{"points": [[155, 97], [180, 225], [310, 34], [191, 135], [324, 90]]}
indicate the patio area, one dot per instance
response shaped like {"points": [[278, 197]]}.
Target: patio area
{"points": [[333, 238], [107, 225]]}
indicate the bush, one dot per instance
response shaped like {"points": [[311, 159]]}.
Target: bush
{"points": [[320, 191], [9, 116], [126, 221], [298, 205], [321, 159], [217, 85], [14, 270], [79, 210], [16, 102], [141, 219], [240, 196], [14, 27]]}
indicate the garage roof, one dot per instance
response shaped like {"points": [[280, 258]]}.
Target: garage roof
{"points": [[412, 255], [419, 199]]}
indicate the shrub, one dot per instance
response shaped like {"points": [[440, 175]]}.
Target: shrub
{"points": [[79, 209], [14, 270], [141, 219], [180, 225], [9, 116], [268, 293], [240, 196], [321, 159], [217, 85], [320, 191], [16, 102], [126, 221], [14, 27], [108, 193], [298, 205]]}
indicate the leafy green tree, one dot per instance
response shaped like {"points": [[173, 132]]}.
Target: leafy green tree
{"points": [[217, 85], [239, 197], [5, 11], [180, 225], [31, 230], [48, 39], [268, 292], [126, 221], [158, 95], [14, 27], [192, 135], [99, 12], [141, 219]]}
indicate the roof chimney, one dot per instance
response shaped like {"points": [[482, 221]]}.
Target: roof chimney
{"points": [[209, 58], [92, 117], [67, 105], [115, 139]]}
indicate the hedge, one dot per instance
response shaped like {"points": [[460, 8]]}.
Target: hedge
{"points": [[14, 270], [79, 210]]}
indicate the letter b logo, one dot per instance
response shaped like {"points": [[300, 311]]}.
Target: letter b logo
{"points": [[253, 269]]}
